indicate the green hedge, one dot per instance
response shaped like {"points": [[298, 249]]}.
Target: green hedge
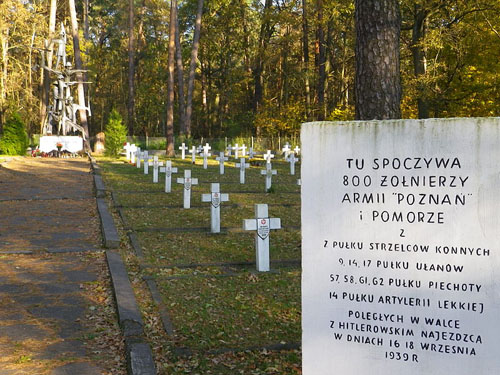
{"points": [[14, 140]]}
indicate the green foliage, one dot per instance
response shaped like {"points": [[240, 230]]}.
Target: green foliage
{"points": [[116, 134], [14, 140]]}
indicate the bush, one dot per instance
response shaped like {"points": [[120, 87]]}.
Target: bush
{"points": [[15, 139], [116, 134]]}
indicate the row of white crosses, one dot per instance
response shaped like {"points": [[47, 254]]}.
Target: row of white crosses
{"points": [[262, 224]]}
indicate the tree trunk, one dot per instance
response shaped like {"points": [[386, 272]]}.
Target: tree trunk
{"points": [[192, 66], [377, 80], [79, 75], [264, 37], [46, 75], [180, 76], [305, 56], [131, 68], [170, 83], [419, 59], [321, 62]]}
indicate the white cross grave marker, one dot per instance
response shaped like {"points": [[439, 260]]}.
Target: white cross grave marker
{"points": [[221, 159], [268, 156], [206, 153], [156, 165], [127, 150], [242, 165], [229, 149], [168, 170], [215, 197], [292, 160], [243, 149], [268, 172], [146, 160], [183, 149], [286, 150], [140, 155], [297, 150], [263, 225], [187, 181], [193, 154], [251, 153], [236, 151], [133, 153]]}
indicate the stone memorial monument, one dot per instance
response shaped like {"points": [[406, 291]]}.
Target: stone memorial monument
{"points": [[400, 247]]}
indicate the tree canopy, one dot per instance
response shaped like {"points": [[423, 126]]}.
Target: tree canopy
{"points": [[263, 67]]}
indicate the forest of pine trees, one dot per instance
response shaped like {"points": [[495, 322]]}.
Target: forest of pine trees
{"points": [[241, 67]]}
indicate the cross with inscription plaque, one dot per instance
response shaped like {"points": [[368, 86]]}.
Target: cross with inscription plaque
{"points": [[262, 224], [156, 165], [292, 160], [268, 172], [183, 149], [242, 166], [221, 159], [187, 181], [215, 198], [168, 170]]}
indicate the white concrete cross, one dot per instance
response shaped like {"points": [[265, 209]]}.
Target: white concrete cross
{"points": [[140, 155], [286, 150], [168, 170], [206, 153], [183, 149], [262, 224], [243, 149], [215, 198], [292, 160], [193, 154], [156, 165], [251, 153], [199, 149], [187, 181], [146, 160], [268, 172], [268, 156], [229, 149], [221, 159], [127, 150], [236, 151], [242, 166], [297, 150], [133, 153]]}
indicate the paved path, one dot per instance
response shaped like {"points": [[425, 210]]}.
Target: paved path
{"points": [[56, 307]]}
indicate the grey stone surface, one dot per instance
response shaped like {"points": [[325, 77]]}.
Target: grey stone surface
{"points": [[110, 234], [13, 288], [66, 313], [21, 332], [140, 359], [58, 288], [80, 276], [99, 186], [78, 368], [67, 348], [124, 295]]}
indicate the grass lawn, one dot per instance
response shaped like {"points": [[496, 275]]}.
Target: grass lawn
{"points": [[226, 317]]}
